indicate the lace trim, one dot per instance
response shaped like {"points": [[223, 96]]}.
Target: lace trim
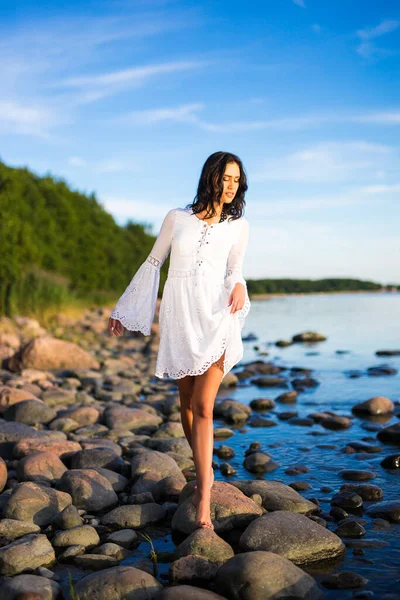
{"points": [[153, 260], [131, 325]]}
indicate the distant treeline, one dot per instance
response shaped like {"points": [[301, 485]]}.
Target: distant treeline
{"points": [[60, 248], [295, 286]]}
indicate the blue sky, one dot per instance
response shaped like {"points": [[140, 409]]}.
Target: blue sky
{"points": [[127, 99]]}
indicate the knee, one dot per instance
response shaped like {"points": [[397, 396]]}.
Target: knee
{"points": [[203, 410]]}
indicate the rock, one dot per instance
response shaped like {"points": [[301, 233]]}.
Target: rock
{"points": [[131, 419], [293, 536], [34, 503], [3, 474], [125, 537], [262, 404], [65, 425], [264, 576], [11, 529], [13, 588], [390, 434], [11, 433], [336, 422], [26, 554], [287, 397], [168, 489], [183, 592], [43, 466], [110, 549], [149, 467], [346, 580], [356, 474], [97, 457], [118, 583], [391, 462], [366, 491], [259, 462], [83, 535], [204, 542], [230, 509], [134, 516], [118, 481], [232, 411], [67, 518], [56, 396], [301, 421], [10, 396], [30, 412], [350, 528], [389, 510], [46, 352], [84, 415], [378, 405], [101, 443], [193, 568], [89, 490], [275, 495], [95, 562], [62, 449], [309, 336], [347, 499]]}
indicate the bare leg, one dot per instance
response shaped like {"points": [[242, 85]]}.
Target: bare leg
{"points": [[205, 390], [186, 387]]}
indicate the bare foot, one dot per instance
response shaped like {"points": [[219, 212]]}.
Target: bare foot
{"points": [[203, 518], [212, 479]]}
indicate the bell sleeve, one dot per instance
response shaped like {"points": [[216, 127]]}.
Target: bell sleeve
{"points": [[234, 270], [136, 308]]}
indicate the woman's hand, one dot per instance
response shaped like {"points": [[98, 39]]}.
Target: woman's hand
{"points": [[237, 297], [115, 327]]}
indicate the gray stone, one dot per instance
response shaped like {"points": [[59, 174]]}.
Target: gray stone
{"points": [[378, 405], [67, 518], [293, 536], [84, 535], [30, 412], [11, 529], [97, 457], [34, 503], [43, 466], [135, 516], [26, 554], [12, 588], [118, 583], [204, 542], [183, 592], [275, 495], [89, 490], [264, 576]]}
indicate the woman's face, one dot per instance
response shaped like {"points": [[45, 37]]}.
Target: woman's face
{"points": [[230, 182]]}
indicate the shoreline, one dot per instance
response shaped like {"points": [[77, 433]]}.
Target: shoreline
{"points": [[267, 296]]}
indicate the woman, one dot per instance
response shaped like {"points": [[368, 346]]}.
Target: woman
{"points": [[203, 308]]}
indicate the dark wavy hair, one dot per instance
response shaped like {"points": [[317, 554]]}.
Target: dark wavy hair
{"points": [[211, 186]]}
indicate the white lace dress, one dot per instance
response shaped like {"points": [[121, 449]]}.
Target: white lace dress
{"points": [[196, 325]]}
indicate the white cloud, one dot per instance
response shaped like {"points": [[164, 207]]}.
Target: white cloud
{"points": [[325, 162], [180, 114], [299, 3], [22, 119], [76, 161], [366, 48], [95, 87]]}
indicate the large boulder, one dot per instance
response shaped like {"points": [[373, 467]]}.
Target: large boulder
{"points": [[118, 583], [62, 448], [293, 536], [26, 554], [275, 495], [30, 412], [46, 352], [135, 516], [43, 466], [264, 576], [230, 509], [89, 490], [131, 419], [34, 503], [13, 588]]}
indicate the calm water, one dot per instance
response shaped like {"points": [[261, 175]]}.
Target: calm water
{"points": [[359, 324]]}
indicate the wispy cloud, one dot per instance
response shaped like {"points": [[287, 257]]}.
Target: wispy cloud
{"points": [[21, 119], [94, 87], [185, 113], [299, 3], [367, 48], [327, 162]]}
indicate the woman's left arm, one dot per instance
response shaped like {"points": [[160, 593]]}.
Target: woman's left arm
{"points": [[234, 280]]}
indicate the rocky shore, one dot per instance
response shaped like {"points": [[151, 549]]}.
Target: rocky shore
{"points": [[94, 464]]}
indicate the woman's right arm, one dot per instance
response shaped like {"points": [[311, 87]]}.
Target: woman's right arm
{"points": [[135, 308]]}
